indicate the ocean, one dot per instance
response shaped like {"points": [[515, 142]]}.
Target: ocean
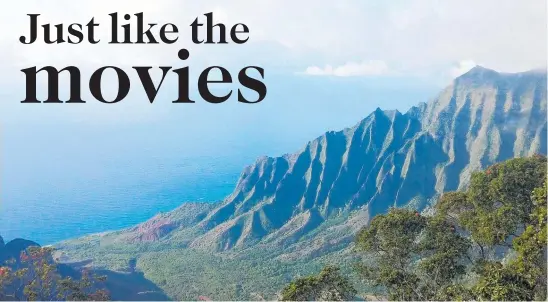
{"points": [[68, 171], [71, 206], [61, 183], [58, 184]]}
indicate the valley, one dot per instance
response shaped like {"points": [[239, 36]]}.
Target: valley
{"points": [[288, 216]]}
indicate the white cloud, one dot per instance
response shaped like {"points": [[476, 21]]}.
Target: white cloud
{"points": [[413, 35], [461, 68], [350, 69]]}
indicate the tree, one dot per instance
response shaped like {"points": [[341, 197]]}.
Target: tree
{"points": [[414, 256], [501, 283], [531, 246], [35, 276], [391, 241], [328, 285], [498, 202], [505, 209], [443, 254], [494, 233]]}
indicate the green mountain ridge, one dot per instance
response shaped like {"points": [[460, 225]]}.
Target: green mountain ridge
{"points": [[288, 215]]}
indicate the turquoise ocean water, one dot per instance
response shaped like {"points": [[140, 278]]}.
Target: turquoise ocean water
{"points": [[67, 171]]}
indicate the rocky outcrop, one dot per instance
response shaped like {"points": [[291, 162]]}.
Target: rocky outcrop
{"points": [[161, 225], [291, 214], [389, 159]]}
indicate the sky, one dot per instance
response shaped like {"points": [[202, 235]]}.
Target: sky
{"points": [[427, 42], [358, 37], [328, 64]]}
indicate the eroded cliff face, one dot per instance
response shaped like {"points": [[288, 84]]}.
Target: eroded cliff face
{"points": [[487, 117], [388, 159]]}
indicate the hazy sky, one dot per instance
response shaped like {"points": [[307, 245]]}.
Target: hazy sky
{"points": [[425, 41], [321, 57], [357, 37]]}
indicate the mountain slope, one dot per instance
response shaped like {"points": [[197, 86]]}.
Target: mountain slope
{"points": [[305, 207], [388, 159]]}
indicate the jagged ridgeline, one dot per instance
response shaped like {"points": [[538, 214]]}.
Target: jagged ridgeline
{"points": [[388, 159], [309, 204]]}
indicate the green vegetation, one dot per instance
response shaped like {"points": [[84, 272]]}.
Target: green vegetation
{"points": [[328, 285], [397, 240], [487, 243], [183, 273], [35, 276], [186, 274], [290, 216]]}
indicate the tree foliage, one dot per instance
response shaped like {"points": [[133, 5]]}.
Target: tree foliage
{"points": [[413, 255], [391, 239], [523, 277], [498, 201], [485, 243], [35, 276], [328, 285]]}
